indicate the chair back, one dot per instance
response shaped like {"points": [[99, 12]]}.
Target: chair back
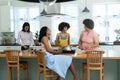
{"points": [[48, 73], [12, 56], [94, 58], [41, 59]]}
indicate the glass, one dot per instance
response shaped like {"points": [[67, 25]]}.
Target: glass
{"points": [[29, 14], [25, 51], [118, 37], [106, 21], [68, 9]]}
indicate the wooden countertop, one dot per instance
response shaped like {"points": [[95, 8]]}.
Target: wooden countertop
{"points": [[109, 54], [21, 56]]}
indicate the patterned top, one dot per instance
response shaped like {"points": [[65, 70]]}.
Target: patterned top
{"points": [[25, 38], [63, 40], [88, 38]]}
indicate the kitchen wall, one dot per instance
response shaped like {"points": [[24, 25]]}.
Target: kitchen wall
{"points": [[6, 7]]}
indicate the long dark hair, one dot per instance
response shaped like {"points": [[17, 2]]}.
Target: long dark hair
{"points": [[24, 25], [42, 32]]}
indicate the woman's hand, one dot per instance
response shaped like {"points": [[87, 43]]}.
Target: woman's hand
{"points": [[88, 47], [25, 46], [59, 51], [80, 46]]}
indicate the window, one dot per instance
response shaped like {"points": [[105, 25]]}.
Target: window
{"points": [[107, 19], [31, 14], [71, 19], [73, 28], [23, 14]]}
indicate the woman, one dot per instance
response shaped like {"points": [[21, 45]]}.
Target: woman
{"points": [[57, 63], [89, 39], [25, 37], [63, 38]]}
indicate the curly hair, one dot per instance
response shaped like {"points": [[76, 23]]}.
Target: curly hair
{"points": [[88, 23], [62, 25]]}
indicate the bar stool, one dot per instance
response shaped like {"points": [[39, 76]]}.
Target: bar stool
{"points": [[47, 73], [12, 57], [94, 62]]}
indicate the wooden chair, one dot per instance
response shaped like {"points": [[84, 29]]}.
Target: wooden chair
{"points": [[94, 62], [47, 73], [12, 57]]}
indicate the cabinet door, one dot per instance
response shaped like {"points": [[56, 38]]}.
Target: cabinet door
{"points": [[2, 48], [116, 48], [5, 18], [105, 47], [37, 47]]}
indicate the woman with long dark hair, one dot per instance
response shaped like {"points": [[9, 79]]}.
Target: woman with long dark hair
{"points": [[25, 37], [58, 63]]}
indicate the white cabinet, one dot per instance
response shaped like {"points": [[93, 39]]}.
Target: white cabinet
{"points": [[115, 48], [2, 48], [5, 18], [105, 47]]}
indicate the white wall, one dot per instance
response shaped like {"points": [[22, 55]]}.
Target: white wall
{"points": [[90, 4], [5, 12]]}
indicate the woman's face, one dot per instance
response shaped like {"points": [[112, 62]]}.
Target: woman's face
{"points": [[48, 32], [26, 28], [65, 28]]}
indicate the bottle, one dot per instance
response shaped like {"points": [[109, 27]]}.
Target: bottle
{"points": [[30, 50], [76, 48]]}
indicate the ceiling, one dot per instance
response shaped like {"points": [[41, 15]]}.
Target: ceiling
{"points": [[37, 1]]}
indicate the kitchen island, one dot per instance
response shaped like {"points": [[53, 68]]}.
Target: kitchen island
{"points": [[111, 64]]}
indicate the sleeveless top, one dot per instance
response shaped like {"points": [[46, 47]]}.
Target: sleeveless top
{"points": [[54, 62], [63, 40]]}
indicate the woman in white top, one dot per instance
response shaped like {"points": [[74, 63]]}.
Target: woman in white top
{"points": [[58, 63], [25, 37]]}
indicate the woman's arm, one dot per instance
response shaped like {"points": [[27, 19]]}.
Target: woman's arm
{"points": [[68, 39], [80, 42], [96, 42], [31, 39], [57, 40], [48, 47]]}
